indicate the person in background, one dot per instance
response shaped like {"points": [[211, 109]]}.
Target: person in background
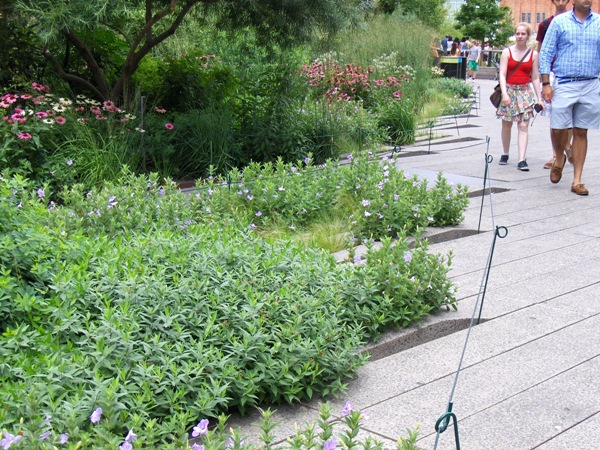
{"points": [[574, 39], [455, 49], [560, 6], [474, 59], [444, 44], [518, 99]]}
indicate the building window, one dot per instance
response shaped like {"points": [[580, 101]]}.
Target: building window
{"points": [[523, 17], [528, 18], [538, 18], [543, 16]]}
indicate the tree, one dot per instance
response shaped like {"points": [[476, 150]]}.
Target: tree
{"points": [[485, 20], [111, 37], [430, 12]]}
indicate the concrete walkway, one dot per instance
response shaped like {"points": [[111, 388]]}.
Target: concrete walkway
{"points": [[531, 371]]}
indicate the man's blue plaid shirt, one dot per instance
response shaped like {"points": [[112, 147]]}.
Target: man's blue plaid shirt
{"points": [[576, 45]]}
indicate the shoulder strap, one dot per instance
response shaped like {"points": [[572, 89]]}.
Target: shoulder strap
{"points": [[517, 66]]}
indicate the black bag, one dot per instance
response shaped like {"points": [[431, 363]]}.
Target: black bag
{"points": [[496, 96]]}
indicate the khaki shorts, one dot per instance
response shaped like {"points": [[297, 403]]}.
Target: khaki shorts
{"points": [[576, 105]]}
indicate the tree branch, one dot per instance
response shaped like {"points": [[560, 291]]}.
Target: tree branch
{"points": [[86, 54], [136, 53], [70, 77]]}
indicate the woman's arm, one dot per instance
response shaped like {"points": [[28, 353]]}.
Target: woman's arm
{"points": [[502, 75]]}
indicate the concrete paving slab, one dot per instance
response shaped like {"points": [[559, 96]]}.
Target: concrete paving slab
{"points": [[534, 416]]}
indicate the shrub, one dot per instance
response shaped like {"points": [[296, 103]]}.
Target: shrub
{"points": [[453, 86], [151, 306]]}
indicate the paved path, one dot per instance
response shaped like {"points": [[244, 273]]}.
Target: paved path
{"points": [[531, 372]]}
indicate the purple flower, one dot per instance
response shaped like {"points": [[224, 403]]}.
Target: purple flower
{"points": [[367, 214], [366, 202], [131, 437], [63, 438], [9, 439], [258, 214], [197, 447], [41, 193], [96, 415], [331, 444], [126, 446], [45, 435], [347, 409], [161, 191], [396, 197], [306, 160], [69, 162], [408, 257], [249, 197], [201, 428]]}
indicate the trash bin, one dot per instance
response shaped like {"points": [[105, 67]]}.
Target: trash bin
{"points": [[454, 66]]}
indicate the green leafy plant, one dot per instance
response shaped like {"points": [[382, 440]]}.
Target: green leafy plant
{"points": [[160, 308]]}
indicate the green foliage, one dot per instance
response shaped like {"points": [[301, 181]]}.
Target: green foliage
{"points": [[430, 12], [454, 94], [18, 39], [200, 140], [186, 82], [399, 120], [485, 20], [98, 31], [161, 308], [214, 436], [453, 86]]}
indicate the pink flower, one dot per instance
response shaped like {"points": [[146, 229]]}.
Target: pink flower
{"points": [[160, 110], [61, 120], [26, 96], [124, 119], [10, 98], [41, 114], [24, 136], [169, 126], [39, 87]]}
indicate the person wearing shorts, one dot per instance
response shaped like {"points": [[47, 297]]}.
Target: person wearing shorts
{"points": [[474, 58], [573, 42], [560, 7]]}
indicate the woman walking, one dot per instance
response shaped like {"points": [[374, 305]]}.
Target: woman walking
{"points": [[520, 62]]}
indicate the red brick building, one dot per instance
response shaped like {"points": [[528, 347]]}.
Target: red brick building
{"points": [[535, 11]]}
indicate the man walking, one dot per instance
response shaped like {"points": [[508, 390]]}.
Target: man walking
{"points": [[474, 58], [574, 39], [560, 6]]}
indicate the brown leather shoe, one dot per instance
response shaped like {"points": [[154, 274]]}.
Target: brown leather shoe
{"points": [[579, 189], [556, 172], [548, 165]]}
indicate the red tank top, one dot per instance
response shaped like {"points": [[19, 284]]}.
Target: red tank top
{"points": [[523, 74]]}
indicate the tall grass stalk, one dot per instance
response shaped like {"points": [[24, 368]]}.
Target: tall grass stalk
{"points": [[97, 157]]}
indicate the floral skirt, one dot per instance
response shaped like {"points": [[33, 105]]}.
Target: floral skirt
{"points": [[522, 99]]}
